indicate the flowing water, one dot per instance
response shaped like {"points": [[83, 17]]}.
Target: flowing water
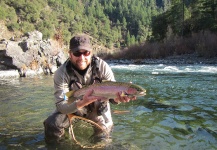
{"points": [[179, 111]]}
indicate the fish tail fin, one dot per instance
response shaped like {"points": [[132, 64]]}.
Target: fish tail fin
{"points": [[70, 94]]}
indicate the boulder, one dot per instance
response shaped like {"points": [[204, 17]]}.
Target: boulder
{"points": [[31, 53]]}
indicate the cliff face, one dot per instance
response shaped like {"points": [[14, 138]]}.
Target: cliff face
{"points": [[30, 53]]}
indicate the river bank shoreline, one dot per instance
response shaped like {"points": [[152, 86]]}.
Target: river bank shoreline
{"points": [[189, 59], [172, 60]]}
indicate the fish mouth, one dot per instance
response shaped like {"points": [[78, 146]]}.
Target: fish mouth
{"points": [[143, 93]]}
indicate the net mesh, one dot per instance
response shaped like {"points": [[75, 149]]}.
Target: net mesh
{"points": [[87, 133]]}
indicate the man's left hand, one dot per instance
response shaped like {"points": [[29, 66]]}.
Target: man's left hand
{"points": [[123, 99]]}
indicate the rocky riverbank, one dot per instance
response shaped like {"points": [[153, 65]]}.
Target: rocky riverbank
{"points": [[30, 54]]}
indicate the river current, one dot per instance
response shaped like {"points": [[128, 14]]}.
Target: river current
{"points": [[179, 111]]}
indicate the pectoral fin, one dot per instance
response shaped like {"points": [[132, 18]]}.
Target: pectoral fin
{"points": [[122, 94]]}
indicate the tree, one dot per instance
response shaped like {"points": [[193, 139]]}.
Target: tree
{"points": [[128, 39], [204, 14]]}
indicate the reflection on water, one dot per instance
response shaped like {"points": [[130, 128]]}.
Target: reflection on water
{"points": [[178, 112]]}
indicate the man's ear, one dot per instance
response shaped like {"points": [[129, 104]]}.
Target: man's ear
{"points": [[69, 53]]}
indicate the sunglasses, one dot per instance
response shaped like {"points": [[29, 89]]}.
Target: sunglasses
{"points": [[78, 54]]}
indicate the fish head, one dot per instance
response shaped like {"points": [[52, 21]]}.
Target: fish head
{"points": [[136, 90]]}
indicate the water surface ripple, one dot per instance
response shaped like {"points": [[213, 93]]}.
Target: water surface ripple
{"points": [[179, 111]]}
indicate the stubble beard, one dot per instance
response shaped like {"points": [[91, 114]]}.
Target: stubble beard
{"points": [[81, 64]]}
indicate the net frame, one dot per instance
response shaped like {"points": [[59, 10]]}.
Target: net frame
{"points": [[72, 122]]}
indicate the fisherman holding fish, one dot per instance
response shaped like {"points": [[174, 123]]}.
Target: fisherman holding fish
{"points": [[75, 92]]}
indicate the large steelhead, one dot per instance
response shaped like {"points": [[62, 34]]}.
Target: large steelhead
{"points": [[108, 89]]}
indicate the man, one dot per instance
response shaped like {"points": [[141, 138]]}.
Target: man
{"points": [[82, 68]]}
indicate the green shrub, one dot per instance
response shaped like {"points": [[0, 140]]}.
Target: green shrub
{"points": [[13, 26], [26, 27]]}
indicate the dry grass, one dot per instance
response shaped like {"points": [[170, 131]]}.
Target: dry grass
{"points": [[204, 44]]}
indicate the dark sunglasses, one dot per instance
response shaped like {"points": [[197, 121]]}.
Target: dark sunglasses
{"points": [[78, 54]]}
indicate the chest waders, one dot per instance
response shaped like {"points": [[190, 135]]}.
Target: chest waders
{"points": [[76, 84]]}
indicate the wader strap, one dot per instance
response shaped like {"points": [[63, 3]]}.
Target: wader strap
{"points": [[95, 71]]}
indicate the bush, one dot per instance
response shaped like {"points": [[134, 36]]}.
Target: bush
{"points": [[26, 27], [3, 11], [13, 27], [207, 44], [203, 43]]}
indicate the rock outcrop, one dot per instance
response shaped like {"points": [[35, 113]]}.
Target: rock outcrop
{"points": [[31, 53]]}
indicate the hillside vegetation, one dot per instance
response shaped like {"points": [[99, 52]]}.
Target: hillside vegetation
{"points": [[155, 28]]}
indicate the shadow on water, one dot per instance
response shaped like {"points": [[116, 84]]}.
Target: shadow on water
{"points": [[159, 106]]}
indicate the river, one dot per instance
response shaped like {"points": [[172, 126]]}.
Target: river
{"points": [[178, 113]]}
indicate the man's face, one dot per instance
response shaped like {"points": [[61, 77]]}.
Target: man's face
{"points": [[80, 59]]}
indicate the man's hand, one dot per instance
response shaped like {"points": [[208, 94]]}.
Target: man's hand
{"points": [[88, 99], [123, 99]]}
